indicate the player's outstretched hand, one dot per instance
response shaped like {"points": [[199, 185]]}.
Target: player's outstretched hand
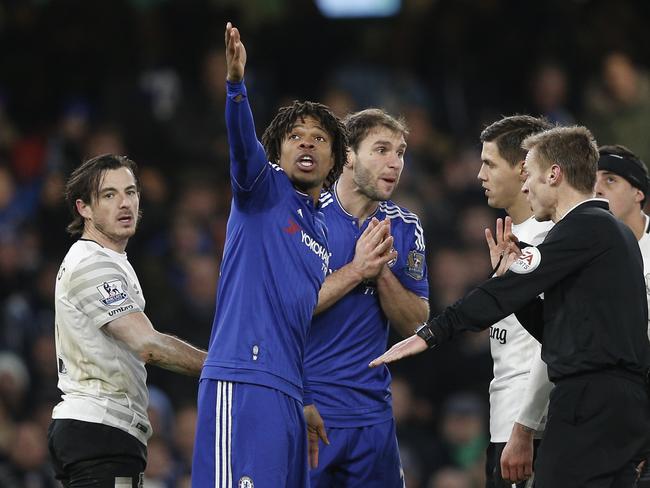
{"points": [[315, 431], [235, 54], [408, 347]]}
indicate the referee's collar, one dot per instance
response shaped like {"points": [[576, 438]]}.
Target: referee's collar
{"points": [[592, 202]]}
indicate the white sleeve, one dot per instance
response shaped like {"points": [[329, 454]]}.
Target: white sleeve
{"points": [[99, 288], [534, 403]]}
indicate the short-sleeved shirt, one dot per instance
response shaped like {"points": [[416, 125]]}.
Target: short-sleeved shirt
{"points": [[274, 263], [346, 337], [102, 380]]}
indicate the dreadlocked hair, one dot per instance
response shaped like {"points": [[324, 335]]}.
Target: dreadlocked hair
{"points": [[286, 118]]}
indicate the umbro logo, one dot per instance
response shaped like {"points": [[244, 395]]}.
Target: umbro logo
{"points": [[292, 228]]}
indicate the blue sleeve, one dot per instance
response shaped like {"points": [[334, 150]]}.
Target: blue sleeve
{"points": [[247, 157], [411, 270]]}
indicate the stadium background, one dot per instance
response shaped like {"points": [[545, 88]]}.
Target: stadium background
{"points": [[146, 78]]}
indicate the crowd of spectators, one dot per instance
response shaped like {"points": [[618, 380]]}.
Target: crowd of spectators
{"points": [[146, 79]]}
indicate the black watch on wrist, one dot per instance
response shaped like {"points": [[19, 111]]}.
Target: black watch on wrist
{"points": [[425, 332]]}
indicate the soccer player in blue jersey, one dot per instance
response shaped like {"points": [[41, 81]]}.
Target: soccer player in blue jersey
{"points": [[377, 277], [250, 429]]}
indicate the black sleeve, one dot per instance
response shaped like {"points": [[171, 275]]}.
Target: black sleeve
{"points": [[531, 317], [568, 246]]}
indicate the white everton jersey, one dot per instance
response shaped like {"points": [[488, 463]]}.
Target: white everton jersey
{"points": [[644, 244], [102, 380], [513, 350]]}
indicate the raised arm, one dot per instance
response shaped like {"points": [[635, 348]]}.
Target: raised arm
{"points": [[154, 347], [247, 156], [235, 55]]}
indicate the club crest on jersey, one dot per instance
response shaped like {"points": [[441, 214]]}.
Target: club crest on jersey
{"points": [[415, 265], [527, 262], [113, 293], [292, 228], [245, 482]]}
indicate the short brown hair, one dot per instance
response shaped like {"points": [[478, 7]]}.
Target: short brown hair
{"points": [[359, 124], [286, 118], [509, 132], [574, 149], [83, 184]]}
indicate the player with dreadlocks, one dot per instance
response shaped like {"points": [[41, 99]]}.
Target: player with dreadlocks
{"points": [[251, 429]]}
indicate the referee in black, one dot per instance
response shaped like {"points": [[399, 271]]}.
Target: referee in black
{"points": [[592, 322]]}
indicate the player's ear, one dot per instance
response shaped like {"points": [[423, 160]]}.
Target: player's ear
{"points": [[554, 175], [349, 158], [520, 169], [83, 208], [638, 196]]}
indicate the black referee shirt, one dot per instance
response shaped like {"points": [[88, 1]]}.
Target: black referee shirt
{"points": [[594, 315]]}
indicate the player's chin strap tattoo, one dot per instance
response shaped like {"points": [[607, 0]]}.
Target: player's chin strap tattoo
{"points": [[425, 332]]}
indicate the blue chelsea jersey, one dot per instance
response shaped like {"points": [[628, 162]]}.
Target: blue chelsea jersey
{"points": [[274, 263], [346, 337]]}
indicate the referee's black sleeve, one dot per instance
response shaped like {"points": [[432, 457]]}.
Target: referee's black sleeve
{"points": [[531, 316], [594, 313], [562, 251]]}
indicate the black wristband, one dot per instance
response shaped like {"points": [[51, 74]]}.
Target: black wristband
{"points": [[425, 332]]}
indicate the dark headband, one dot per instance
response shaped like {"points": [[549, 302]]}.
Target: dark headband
{"points": [[632, 170]]}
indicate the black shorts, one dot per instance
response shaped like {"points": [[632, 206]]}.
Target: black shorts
{"points": [[95, 455]]}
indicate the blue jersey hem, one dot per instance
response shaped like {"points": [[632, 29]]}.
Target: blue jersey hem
{"points": [[254, 377], [348, 418]]}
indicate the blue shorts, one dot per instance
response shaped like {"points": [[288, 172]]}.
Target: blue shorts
{"points": [[248, 435], [359, 456]]}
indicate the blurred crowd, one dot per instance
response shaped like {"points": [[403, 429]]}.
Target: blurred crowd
{"points": [[146, 78]]}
